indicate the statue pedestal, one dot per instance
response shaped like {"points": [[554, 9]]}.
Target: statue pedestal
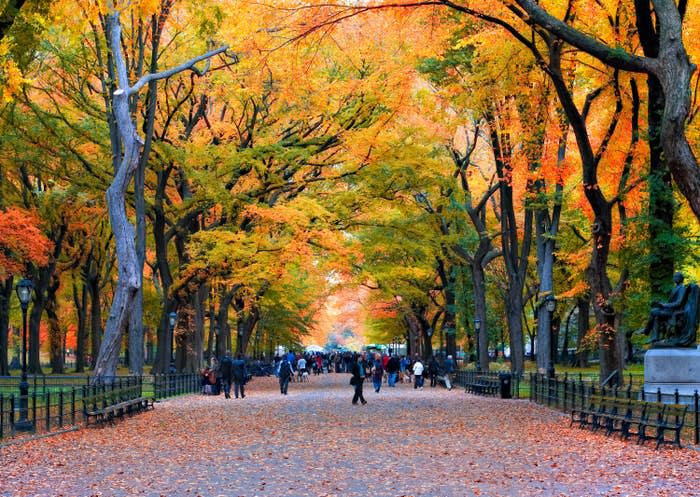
{"points": [[669, 370]]}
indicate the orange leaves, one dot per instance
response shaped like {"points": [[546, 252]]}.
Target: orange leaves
{"points": [[21, 241]]}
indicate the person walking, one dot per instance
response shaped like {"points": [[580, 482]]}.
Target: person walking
{"points": [[418, 373], [392, 369], [433, 370], [240, 375], [377, 372], [358, 369], [285, 373], [226, 373]]}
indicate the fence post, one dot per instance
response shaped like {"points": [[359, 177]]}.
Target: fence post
{"points": [[34, 408], [676, 397], [12, 410], [72, 406], [2, 415], [60, 408], [47, 407]]}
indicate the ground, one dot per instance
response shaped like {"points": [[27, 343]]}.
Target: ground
{"points": [[313, 442]]}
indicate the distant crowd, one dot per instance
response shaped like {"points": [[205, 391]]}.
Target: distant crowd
{"points": [[228, 374]]}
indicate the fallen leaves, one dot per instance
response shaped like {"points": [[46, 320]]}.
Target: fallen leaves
{"points": [[313, 442]]}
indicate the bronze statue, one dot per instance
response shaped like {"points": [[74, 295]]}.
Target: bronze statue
{"points": [[675, 320]]}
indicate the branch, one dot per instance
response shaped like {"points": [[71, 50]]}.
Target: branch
{"points": [[175, 70], [613, 57]]}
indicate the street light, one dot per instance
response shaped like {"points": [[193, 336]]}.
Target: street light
{"points": [[172, 318], [550, 303], [24, 293], [477, 329]]}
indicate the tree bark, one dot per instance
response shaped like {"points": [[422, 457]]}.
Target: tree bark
{"points": [[5, 296], [672, 67]]}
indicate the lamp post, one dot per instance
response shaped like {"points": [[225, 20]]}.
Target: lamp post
{"points": [[550, 305], [172, 318], [477, 329], [24, 293]]}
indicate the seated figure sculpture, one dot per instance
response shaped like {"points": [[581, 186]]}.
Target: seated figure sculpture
{"points": [[676, 320]]}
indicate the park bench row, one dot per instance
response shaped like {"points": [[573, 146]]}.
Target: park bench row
{"points": [[630, 417], [106, 406], [482, 385]]}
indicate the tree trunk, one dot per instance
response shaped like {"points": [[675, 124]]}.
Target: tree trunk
{"points": [[5, 296], [583, 326], [662, 206], [80, 301], [129, 279], [96, 331], [479, 285], [56, 335]]}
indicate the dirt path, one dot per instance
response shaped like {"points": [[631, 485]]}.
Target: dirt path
{"points": [[313, 442]]}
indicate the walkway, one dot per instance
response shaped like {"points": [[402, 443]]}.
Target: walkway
{"points": [[313, 442]]}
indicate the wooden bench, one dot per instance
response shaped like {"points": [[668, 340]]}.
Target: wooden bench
{"points": [[482, 385], [662, 418], [108, 405], [632, 417]]}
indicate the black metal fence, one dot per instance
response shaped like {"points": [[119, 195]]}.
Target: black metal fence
{"points": [[56, 403], [566, 393]]}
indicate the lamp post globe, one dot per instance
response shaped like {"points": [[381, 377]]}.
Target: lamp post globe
{"points": [[551, 303], [24, 290]]}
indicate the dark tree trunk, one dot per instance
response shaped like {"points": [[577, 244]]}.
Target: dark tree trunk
{"points": [[93, 285], [5, 296], [246, 319], [80, 301], [583, 327], [56, 335], [662, 206]]}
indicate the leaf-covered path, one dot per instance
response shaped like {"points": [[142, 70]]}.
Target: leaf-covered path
{"points": [[313, 442]]}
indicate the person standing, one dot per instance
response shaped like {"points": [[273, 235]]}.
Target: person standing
{"points": [[433, 370], [285, 373], [226, 372], [240, 375], [358, 369], [418, 373], [392, 369], [377, 372]]}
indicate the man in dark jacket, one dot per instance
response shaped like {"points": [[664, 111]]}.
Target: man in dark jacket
{"points": [[358, 370], [284, 373], [226, 373], [392, 369], [240, 376]]}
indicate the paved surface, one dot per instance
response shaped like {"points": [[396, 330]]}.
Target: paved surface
{"points": [[314, 442]]}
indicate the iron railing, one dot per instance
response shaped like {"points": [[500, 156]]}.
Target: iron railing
{"points": [[57, 403], [566, 393]]}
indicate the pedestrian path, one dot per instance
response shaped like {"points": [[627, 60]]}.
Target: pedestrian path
{"points": [[313, 442]]}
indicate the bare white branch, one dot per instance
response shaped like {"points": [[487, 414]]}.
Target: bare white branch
{"points": [[189, 65]]}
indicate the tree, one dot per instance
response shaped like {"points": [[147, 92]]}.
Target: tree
{"points": [[128, 144]]}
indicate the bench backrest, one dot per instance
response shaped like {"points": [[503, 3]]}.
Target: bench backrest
{"points": [[675, 414]]}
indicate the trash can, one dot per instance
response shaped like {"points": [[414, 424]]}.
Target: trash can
{"points": [[505, 379]]}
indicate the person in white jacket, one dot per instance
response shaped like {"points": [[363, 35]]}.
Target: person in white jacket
{"points": [[418, 373]]}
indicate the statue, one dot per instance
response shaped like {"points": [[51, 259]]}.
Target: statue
{"points": [[675, 320]]}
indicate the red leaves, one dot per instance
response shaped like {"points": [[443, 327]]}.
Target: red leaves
{"points": [[21, 242]]}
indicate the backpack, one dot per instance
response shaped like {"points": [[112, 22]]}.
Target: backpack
{"points": [[285, 369]]}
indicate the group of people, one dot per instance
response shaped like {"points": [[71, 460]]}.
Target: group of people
{"points": [[230, 372], [381, 366], [224, 373]]}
